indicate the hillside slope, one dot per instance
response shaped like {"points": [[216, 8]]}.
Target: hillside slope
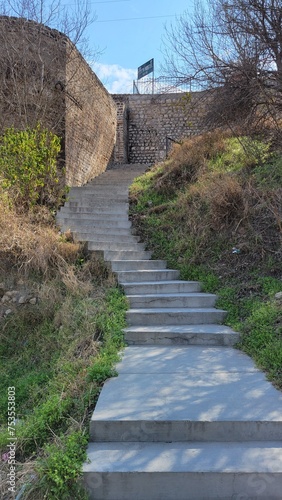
{"points": [[61, 320]]}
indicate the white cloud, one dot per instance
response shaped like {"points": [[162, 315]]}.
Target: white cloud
{"points": [[116, 79]]}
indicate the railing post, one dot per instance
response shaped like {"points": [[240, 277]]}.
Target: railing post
{"points": [[172, 140]]}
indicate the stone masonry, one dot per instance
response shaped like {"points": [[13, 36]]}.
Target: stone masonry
{"points": [[148, 124], [91, 122]]}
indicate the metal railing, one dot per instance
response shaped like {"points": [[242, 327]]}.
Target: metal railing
{"points": [[169, 140], [162, 85]]}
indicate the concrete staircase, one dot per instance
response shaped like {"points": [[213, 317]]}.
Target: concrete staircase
{"points": [[188, 416]]}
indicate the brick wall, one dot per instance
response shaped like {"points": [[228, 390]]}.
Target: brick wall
{"points": [[151, 121]]}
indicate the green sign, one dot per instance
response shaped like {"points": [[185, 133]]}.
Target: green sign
{"points": [[146, 69]]}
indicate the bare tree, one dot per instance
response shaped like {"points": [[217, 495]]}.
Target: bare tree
{"points": [[72, 22], [38, 61], [233, 49]]}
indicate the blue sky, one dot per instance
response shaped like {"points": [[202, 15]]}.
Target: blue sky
{"points": [[129, 33]]}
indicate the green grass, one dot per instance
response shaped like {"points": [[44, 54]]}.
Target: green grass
{"points": [[58, 366], [239, 153]]}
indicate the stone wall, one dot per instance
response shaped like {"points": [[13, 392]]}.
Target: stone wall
{"points": [[121, 146], [44, 78], [150, 123], [91, 122]]}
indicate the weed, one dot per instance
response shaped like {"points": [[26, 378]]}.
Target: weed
{"points": [[59, 468]]}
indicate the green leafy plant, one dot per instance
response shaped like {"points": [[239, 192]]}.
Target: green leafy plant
{"points": [[28, 166], [61, 466]]}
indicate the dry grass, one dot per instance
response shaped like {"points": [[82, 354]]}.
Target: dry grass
{"points": [[33, 246], [188, 161], [227, 208], [227, 202], [25, 474]]}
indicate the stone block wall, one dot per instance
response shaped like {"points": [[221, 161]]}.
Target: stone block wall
{"points": [[153, 122], [91, 122], [121, 146]]}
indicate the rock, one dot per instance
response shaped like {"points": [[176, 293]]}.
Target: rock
{"points": [[278, 296], [8, 311], [22, 299], [5, 298], [12, 293], [33, 300]]}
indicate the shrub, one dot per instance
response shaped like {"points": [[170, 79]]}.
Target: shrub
{"points": [[28, 166]]}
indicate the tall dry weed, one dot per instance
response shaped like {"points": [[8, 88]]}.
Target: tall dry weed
{"points": [[31, 246], [227, 201]]}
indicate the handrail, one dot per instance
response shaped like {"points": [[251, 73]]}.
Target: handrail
{"points": [[172, 140]]}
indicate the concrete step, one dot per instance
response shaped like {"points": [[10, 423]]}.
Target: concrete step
{"points": [[89, 192], [96, 202], [168, 360], [205, 335], [165, 300], [105, 236], [116, 246], [110, 185], [88, 231], [80, 226], [174, 316], [97, 225], [103, 201], [105, 211], [128, 170], [112, 181], [126, 255], [181, 471], [144, 275], [99, 192], [153, 287], [97, 219], [176, 394], [136, 265]]}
